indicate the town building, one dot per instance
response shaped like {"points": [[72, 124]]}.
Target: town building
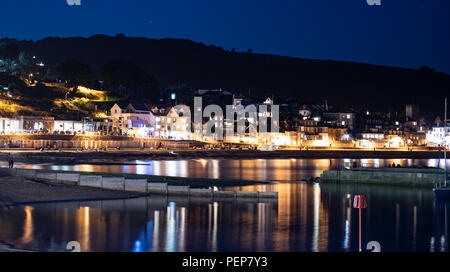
{"points": [[26, 124], [438, 136], [170, 124], [339, 119], [135, 120], [313, 134]]}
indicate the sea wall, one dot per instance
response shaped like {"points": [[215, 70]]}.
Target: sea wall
{"points": [[412, 177], [141, 185], [87, 142]]}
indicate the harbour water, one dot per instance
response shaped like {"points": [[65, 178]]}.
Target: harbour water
{"points": [[307, 217], [283, 170]]}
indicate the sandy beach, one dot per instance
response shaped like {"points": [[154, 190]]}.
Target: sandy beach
{"points": [[16, 190]]}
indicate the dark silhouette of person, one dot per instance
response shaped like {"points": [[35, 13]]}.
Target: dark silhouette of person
{"points": [[10, 162], [393, 165]]}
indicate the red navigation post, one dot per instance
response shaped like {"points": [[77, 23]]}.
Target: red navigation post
{"points": [[360, 203]]}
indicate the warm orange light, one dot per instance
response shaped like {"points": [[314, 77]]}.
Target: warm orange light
{"points": [[9, 107], [100, 115], [91, 92]]}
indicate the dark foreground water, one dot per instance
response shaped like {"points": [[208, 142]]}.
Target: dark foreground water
{"points": [[307, 217]]}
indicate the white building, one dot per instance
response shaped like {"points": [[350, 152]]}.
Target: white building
{"points": [[133, 120], [63, 126], [26, 124], [76, 127], [373, 136], [437, 135], [9, 126], [171, 125]]}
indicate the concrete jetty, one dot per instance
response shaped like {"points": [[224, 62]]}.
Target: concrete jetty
{"points": [[411, 177], [141, 185]]}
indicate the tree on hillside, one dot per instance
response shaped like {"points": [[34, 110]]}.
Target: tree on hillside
{"points": [[26, 64], [76, 73], [9, 50], [126, 78], [25, 59]]}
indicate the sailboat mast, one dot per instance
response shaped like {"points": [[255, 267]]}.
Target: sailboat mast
{"points": [[445, 144]]}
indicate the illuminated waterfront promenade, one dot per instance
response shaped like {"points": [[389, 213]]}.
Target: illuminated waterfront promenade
{"points": [[72, 142]]}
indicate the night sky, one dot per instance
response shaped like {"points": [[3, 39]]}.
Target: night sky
{"points": [[405, 33]]}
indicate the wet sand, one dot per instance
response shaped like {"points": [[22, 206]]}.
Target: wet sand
{"points": [[8, 248], [16, 190]]}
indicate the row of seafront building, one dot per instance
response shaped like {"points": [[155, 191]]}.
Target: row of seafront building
{"points": [[332, 129], [314, 128], [168, 125]]}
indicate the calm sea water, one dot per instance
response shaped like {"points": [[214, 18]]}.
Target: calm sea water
{"points": [[307, 217], [252, 169]]}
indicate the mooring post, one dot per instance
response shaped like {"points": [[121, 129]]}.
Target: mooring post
{"points": [[360, 203]]}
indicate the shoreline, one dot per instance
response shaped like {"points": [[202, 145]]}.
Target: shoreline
{"points": [[20, 191], [5, 247], [16, 191], [24, 190], [125, 156]]}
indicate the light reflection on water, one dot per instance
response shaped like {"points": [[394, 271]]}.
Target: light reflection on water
{"points": [[252, 169], [307, 217]]}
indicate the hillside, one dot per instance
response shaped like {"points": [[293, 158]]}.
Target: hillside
{"points": [[196, 65], [49, 99]]}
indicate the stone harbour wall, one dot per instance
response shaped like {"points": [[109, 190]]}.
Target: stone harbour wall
{"points": [[412, 177], [131, 185]]}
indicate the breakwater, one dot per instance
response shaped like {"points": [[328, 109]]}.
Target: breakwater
{"points": [[136, 184], [412, 177]]}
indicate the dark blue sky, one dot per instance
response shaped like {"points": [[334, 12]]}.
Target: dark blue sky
{"points": [[406, 33]]}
